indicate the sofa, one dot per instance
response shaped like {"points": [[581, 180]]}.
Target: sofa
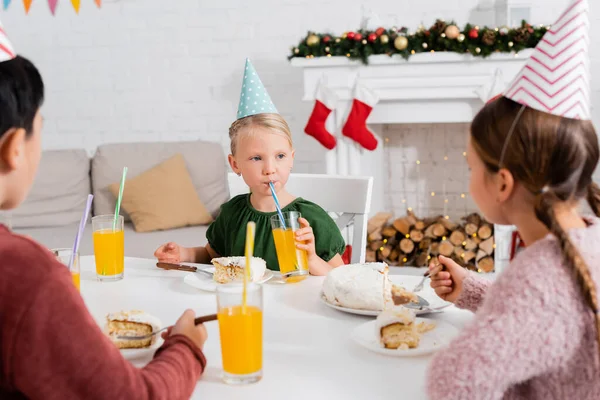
{"points": [[56, 202]]}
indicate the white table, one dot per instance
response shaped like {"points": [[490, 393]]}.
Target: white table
{"points": [[308, 353]]}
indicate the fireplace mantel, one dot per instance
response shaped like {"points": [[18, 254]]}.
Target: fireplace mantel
{"points": [[428, 88]]}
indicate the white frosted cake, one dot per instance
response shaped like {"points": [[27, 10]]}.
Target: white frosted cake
{"points": [[396, 328], [359, 286], [131, 323], [232, 269]]}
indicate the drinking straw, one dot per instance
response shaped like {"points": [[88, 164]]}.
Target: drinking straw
{"points": [[249, 251], [118, 206], [277, 205], [84, 218]]}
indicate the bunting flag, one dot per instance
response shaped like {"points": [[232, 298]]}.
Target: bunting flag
{"points": [[98, 3], [52, 4], [27, 4], [556, 77], [6, 3], [76, 4]]}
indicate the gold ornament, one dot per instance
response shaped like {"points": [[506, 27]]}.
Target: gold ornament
{"points": [[338, 40], [477, 50], [312, 40], [384, 39], [401, 43], [425, 45], [452, 32], [461, 38]]}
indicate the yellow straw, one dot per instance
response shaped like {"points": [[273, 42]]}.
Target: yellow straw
{"points": [[250, 230]]}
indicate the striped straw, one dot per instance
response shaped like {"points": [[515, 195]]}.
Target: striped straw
{"points": [[118, 206], [248, 252], [277, 205], [84, 218]]}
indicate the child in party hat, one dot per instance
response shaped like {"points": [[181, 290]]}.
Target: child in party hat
{"points": [[262, 153], [532, 153], [50, 346]]}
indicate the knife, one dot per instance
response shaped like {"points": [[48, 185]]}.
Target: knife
{"points": [[181, 267]]}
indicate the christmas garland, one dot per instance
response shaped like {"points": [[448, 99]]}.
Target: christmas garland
{"points": [[441, 36]]}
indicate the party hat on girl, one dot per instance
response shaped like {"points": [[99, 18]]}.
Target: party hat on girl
{"points": [[6, 49], [254, 98], [556, 78]]}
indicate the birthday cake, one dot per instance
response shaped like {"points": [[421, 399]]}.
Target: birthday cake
{"points": [[232, 269], [364, 287], [131, 323]]}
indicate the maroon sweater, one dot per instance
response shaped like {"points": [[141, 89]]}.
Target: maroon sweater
{"points": [[51, 347]]}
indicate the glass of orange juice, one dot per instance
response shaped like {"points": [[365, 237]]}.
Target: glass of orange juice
{"points": [[293, 262], [240, 329], [64, 256], [109, 247]]}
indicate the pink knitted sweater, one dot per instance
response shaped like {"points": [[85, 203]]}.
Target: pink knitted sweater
{"points": [[533, 336]]}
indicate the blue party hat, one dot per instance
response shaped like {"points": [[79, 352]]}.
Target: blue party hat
{"points": [[254, 98]]}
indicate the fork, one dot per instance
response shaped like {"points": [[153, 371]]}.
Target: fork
{"points": [[419, 287], [197, 321]]}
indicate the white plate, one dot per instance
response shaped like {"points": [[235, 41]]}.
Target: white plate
{"points": [[373, 313], [366, 336], [204, 282]]}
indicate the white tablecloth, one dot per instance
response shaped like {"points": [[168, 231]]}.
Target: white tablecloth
{"points": [[308, 353]]}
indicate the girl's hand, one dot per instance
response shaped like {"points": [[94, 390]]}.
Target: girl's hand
{"points": [[306, 238], [447, 278], [169, 253]]}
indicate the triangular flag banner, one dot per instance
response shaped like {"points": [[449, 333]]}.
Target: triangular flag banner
{"points": [[6, 3], [98, 3], [27, 4], [76, 4], [556, 78], [52, 4], [6, 49], [254, 98]]}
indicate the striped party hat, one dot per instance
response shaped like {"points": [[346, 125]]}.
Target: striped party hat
{"points": [[556, 78], [254, 98], [6, 49]]}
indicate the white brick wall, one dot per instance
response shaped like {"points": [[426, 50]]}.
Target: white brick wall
{"points": [[139, 70]]}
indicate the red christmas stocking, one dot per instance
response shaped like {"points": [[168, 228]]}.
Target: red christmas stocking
{"points": [[326, 100], [356, 124]]}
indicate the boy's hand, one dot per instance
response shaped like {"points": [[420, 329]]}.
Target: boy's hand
{"points": [[306, 238], [447, 278], [185, 326], [169, 253]]}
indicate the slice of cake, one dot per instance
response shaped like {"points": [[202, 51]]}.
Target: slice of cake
{"points": [[359, 286], [231, 269], [402, 296], [396, 328], [131, 323]]}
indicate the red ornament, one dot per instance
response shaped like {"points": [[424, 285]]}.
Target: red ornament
{"points": [[380, 31], [427, 33], [326, 39], [351, 35], [372, 37], [358, 37], [474, 33]]}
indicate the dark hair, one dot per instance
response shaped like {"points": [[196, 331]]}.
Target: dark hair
{"points": [[21, 94], [554, 158]]}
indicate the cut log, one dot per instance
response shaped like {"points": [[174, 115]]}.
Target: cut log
{"points": [[486, 264], [439, 230], [480, 254], [411, 218], [433, 220], [370, 256], [377, 221], [376, 245], [407, 246], [395, 254], [457, 238], [471, 229], [435, 249], [422, 260], [387, 250], [424, 244], [451, 226], [416, 235], [469, 256], [420, 225], [474, 219], [374, 236], [429, 232], [446, 248], [487, 246], [484, 231], [471, 244], [459, 252], [402, 225], [389, 231]]}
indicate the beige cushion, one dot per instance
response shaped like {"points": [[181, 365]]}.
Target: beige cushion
{"points": [[163, 198], [59, 192], [205, 162]]}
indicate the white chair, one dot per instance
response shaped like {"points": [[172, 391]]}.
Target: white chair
{"points": [[347, 197]]}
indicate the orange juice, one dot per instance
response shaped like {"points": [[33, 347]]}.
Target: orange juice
{"points": [[76, 280], [241, 339], [289, 257], [109, 251]]}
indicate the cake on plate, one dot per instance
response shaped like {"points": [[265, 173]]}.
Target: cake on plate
{"points": [[396, 328], [232, 269], [364, 287], [131, 323]]}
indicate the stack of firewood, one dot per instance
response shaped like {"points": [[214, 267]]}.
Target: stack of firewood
{"points": [[411, 241]]}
